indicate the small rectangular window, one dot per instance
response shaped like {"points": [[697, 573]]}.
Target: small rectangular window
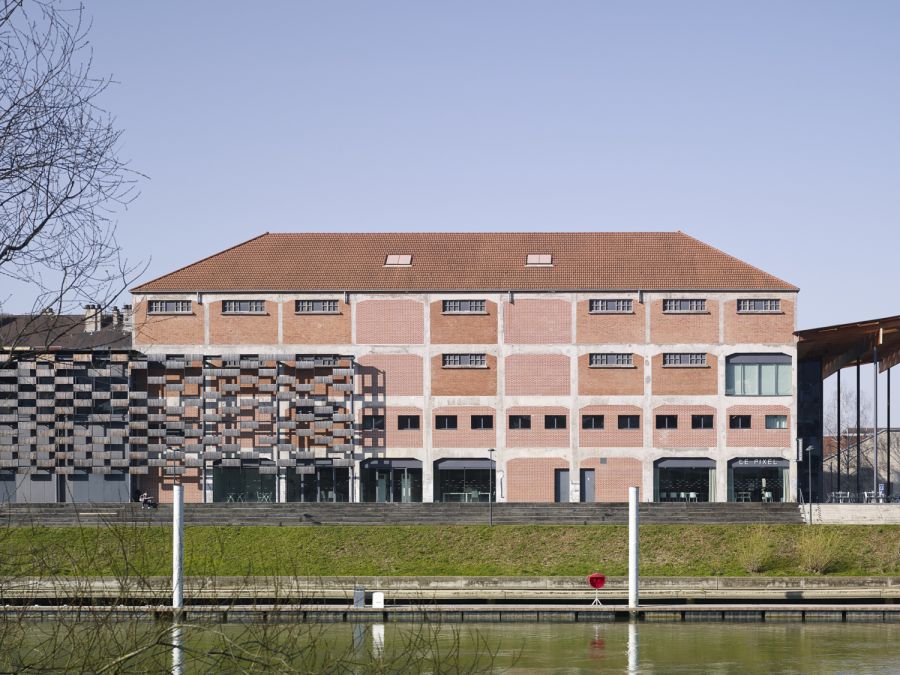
{"points": [[243, 307], [754, 306], [611, 360], [667, 421], [398, 261], [373, 422], [407, 422], [168, 306], [618, 306], [445, 422], [520, 421], [463, 306], [739, 421], [539, 259], [482, 421], [629, 421], [554, 421], [695, 360], [316, 306], [464, 360], [592, 421], [776, 422], [684, 305], [701, 421]]}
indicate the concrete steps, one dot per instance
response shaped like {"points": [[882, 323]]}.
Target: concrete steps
{"points": [[306, 514]]}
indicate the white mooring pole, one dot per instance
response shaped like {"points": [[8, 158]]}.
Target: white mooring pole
{"points": [[177, 547], [633, 580]]}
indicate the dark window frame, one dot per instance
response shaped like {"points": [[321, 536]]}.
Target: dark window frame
{"points": [[552, 422], [170, 307], [700, 421], [234, 306], [464, 361], [759, 306], [466, 306], [484, 422], [624, 422], [685, 360], [610, 360], [409, 422], [373, 422], [443, 422], [522, 422], [773, 428], [738, 421], [611, 306], [667, 421], [684, 306], [593, 424], [317, 307]]}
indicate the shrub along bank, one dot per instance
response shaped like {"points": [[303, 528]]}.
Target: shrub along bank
{"points": [[527, 550]]}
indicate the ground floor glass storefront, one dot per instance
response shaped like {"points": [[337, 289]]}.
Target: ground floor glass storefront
{"points": [[246, 483], [319, 482], [758, 479], [465, 480], [391, 480], [684, 480]]}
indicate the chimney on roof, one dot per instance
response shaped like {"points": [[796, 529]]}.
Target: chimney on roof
{"points": [[92, 318], [116, 317], [126, 317]]}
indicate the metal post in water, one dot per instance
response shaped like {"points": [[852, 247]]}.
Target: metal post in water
{"points": [[177, 547], [633, 648], [633, 552]]}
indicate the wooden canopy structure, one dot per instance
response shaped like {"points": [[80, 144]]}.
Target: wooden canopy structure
{"points": [[851, 343]]}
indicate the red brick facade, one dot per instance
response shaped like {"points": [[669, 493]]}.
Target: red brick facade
{"points": [[532, 479], [537, 375]]}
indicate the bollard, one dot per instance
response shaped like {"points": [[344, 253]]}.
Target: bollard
{"points": [[377, 600], [633, 552]]}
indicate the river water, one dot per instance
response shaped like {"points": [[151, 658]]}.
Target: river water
{"points": [[427, 648]]}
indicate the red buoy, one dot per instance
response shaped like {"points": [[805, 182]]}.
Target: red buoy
{"points": [[597, 580]]}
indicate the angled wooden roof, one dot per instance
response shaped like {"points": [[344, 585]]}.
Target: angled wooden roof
{"points": [[844, 344], [462, 261]]}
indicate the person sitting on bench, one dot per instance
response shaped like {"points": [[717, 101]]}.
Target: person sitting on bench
{"points": [[147, 502]]}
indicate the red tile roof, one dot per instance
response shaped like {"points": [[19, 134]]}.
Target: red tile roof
{"points": [[462, 261]]}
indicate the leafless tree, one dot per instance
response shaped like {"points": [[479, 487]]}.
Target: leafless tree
{"points": [[62, 180]]}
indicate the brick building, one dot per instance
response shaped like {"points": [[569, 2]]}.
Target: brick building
{"points": [[420, 367]]}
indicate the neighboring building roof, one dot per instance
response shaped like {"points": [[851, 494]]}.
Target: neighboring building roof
{"points": [[59, 332], [464, 261]]}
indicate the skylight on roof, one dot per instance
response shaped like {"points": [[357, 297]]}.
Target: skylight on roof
{"points": [[398, 261], [539, 259]]}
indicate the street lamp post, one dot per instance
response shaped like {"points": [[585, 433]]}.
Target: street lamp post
{"points": [[491, 488]]}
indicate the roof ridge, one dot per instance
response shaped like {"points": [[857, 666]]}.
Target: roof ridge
{"points": [[197, 262], [738, 260]]}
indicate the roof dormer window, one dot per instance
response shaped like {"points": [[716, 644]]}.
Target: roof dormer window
{"points": [[395, 260], [539, 260]]}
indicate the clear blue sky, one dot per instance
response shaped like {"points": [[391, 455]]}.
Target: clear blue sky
{"points": [[769, 129]]}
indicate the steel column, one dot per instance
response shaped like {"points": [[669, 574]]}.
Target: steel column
{"points": [[875, 421], [889, 491], [839, 430], [858, 436]]}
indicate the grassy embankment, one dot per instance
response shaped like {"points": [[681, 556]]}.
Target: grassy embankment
{"points": [[539, 550]]}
